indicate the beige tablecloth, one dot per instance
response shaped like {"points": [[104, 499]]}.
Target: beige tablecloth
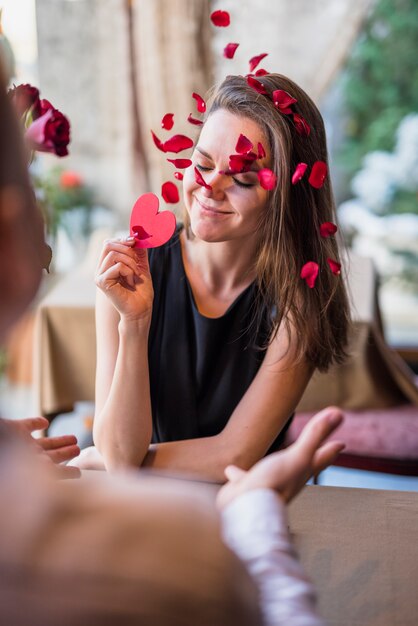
{"points": [[374, 376]]}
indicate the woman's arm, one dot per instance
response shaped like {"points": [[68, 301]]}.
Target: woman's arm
{"points": [[123, 422], [253, 426]]}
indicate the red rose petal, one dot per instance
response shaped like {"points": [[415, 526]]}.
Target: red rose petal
{"points": [[168, 121], [170, 193], [177, 143], [254, 61], [230, 50], [244, 145], [239, 163], [200, 180], [158, 142], [261, 153], [302, 126], [334, 267], [180, 164], [299, 172], [309, 273], [318, 174], [283, 101], [267, 178], [200, 103], [220, 18], [327, 229], [194, 120], [255, 84], [261, 72], [178, 175]]}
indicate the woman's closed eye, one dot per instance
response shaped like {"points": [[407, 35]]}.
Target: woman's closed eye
{"points": [[203, 168]]}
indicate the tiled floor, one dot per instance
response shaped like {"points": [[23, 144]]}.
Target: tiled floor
{"points": [[18, 402]]}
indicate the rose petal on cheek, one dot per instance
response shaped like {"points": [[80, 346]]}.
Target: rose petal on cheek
{"points": [[261, 72], [261, 153], [158, 142], [180, 164], [200, 103], [220, 18], [309, 273], [230, 50], [254, 61], [334, 266], [318, 174], [301, 125], [200, 180], [168, 121], [170, 193], [244, 145], [255, 84], [178, 175], [327, 229], [194, 120], [299, 172], [177, 143], [267, 178]]}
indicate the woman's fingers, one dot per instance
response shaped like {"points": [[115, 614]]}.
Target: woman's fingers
{"points": [[114, 257], [52, 443], [119, 245], [114, 274], [232, 472], [61, 455], [326, 455]]}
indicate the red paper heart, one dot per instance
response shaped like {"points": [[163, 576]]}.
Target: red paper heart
{"points": [[149, 227]]}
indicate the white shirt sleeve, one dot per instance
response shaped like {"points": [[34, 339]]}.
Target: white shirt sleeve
{"points": [[254, 526]]}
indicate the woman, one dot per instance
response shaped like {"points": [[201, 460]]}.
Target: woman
{"points": [[207, 350]]}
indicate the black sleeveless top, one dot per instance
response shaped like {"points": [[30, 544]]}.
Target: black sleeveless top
{"points": [[200, 367]]}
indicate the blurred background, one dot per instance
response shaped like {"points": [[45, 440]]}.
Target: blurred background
{"points": [[115, 67]]}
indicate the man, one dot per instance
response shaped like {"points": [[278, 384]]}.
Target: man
{"points": [[136, 549]]}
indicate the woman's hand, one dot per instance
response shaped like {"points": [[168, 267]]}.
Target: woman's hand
{"points": [[288, 470], [124, 277]]}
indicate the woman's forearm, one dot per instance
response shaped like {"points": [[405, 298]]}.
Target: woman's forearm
{"points": [[123, 428]]}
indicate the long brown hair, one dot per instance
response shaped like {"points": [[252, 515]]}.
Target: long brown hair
{"points": [[289, 230]]}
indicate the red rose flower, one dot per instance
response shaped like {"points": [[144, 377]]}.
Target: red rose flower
{"points": [[50, 133], [23, 98]]}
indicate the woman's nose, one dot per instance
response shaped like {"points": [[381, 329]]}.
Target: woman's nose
{"points": [[217, 182]]}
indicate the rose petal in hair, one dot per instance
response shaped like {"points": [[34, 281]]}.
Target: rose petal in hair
{"points": [[254, 61], [158, 142], [261, 72], [261, 153], [180, 164], [301, 125], [267, 178], [220, 18], [194, 120], [299, 172], [244, 145], [200, 103], [168, 121], [178, 175], [334, 267], [230, 50], [309, 273], [177, 143], [283, 101], [255, 84], [327, 229], [170, 193], [200, 180], [318, 174]]}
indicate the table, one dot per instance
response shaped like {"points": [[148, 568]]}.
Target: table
{"points": [[64, 359], [360, 547]]}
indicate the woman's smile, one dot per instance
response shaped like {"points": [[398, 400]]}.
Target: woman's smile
{"points": [[210, 211]]}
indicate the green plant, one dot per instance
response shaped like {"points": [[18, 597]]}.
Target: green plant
{"points": [[380, 80]]}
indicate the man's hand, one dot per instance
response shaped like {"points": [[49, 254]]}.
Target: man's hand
{"points": [[56, 449], [288, 470]]}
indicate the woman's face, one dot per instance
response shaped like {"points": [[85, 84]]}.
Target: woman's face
{"points": [[231, 209]]}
